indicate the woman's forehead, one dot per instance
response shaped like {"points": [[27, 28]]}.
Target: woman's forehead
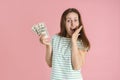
{"points": [[72, 15]]}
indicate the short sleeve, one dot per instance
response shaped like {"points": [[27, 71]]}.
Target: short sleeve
{"points": [[86, 49], [52, 39], [81, 46], [51, 42]]}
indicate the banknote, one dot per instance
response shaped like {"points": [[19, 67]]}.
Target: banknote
{"points": [[40, 29]]}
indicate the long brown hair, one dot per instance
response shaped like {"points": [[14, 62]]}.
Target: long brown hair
{"points": [[63, 31]]}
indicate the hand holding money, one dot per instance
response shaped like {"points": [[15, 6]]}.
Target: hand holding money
{"points": [[40, 29]]}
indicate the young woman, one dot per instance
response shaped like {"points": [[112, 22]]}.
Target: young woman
{"points": [[65, 54]]}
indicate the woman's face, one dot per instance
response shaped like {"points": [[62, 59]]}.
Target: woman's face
{"points": [[72, 23]]}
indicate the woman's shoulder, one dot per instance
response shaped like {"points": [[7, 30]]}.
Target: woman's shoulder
{"points": [[55, 36], [81, 46], [80, 43]]}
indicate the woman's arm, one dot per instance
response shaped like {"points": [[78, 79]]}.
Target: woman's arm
{"points": [[78, 56], [49, 55]]}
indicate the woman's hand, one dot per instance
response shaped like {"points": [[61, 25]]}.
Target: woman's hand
{"points": [[76, 34], [44, 40]]}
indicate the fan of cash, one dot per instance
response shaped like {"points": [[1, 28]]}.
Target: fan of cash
{"points": [[40, 29]]}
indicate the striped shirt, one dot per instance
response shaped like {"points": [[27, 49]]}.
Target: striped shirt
{"points": [[61, 59]]}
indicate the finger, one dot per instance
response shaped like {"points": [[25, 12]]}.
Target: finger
{"points": [[42, 38], [75, 36], [46, 42], [80, 27], [78, 30], [42, 35]]}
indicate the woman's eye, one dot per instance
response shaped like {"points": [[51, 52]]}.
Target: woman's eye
{"points": [[68, 20], [75, 20]]}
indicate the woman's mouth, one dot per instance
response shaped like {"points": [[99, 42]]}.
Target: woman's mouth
{"points": [[73, 30]]}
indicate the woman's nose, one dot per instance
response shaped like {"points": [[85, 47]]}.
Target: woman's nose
{"points": [[72, 23]]}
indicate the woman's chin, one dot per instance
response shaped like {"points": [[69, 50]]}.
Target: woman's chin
{"points": [[69, 35]]}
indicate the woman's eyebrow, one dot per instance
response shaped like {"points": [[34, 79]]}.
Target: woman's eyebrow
{"points": [[76, 17], [70, 18]]}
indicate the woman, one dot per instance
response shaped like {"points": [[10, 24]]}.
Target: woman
{"points": [[67, 50]]}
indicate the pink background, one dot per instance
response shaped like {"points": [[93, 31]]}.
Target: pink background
{"points": [[22, 57]]}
